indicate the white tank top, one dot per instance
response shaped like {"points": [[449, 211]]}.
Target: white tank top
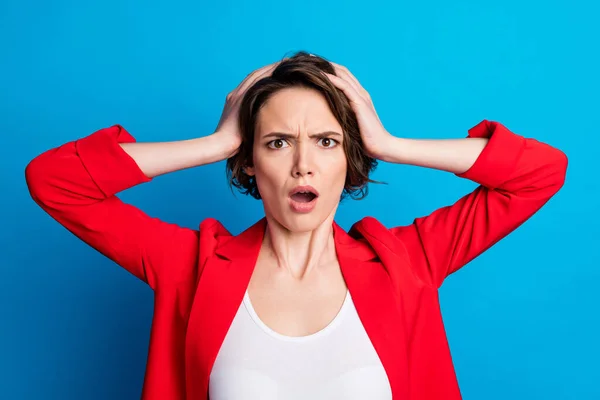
{"points": [[338, 362]]}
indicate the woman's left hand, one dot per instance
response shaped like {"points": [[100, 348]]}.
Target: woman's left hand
{"points": [[374, 136]]}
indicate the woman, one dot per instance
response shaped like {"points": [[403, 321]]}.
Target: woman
{"points": [[295, 307]]}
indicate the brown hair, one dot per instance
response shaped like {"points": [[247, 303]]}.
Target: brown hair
{"points": [[301, 70]]}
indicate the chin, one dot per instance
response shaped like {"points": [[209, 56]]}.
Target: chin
{"points": [[301, 222], [288, 216]]}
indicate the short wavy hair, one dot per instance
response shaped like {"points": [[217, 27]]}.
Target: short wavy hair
{"points": [[301, 70]]}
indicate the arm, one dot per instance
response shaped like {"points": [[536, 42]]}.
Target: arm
{"points": [[76, 185], [517, 176], [164, 157], [451, 155]]}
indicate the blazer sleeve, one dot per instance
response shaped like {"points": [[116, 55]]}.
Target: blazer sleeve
{"points": [[516, 177], [76, 185]]}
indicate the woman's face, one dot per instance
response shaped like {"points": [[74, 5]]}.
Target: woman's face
{"points": [[298, 142]]}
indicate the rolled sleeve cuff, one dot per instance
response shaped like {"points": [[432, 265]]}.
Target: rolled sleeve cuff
{"points": [[111, 168], [499, 157]]}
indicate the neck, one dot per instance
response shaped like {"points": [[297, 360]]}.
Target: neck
{"points": [[300, 253]]}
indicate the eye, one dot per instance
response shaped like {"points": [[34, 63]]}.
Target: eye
{"points": [[328, 142], [277, 144]]}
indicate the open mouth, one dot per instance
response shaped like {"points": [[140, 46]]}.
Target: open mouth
{"points": [[303, 198]]}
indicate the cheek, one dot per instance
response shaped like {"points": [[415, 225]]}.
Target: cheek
{"points": [[269, 173], [336, 169]]}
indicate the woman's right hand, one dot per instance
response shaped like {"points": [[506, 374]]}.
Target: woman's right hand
{"points": [[159, 158], [227, 129]]}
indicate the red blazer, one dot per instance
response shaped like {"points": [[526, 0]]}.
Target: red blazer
{"points": [[199, 276]]}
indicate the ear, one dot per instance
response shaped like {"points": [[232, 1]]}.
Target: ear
{"points": [[249, 171]]}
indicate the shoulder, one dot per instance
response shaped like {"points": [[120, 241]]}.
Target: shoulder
{"points": [[395, 247], [211, 232], [215, 238], [377, 234], [378, 237]]}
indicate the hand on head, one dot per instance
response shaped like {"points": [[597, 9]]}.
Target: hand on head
{"points": [[228, 129]]}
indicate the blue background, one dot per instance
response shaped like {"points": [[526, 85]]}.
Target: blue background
{"points": [[522, 319]]}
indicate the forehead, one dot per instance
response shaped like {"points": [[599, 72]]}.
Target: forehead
{"points": [[296, 109]]}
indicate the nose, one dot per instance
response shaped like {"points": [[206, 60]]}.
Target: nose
{"points": [[303, 165]]}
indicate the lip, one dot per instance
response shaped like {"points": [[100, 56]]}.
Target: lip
{"points": [[301, 207], [304, 188]]}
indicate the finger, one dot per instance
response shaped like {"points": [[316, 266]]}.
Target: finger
{"points": [[347, 88], [254, 76], [340, 69], [346, 74], [251, 80]]}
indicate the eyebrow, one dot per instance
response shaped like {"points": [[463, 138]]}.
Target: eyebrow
{"points": [[292, 136]]}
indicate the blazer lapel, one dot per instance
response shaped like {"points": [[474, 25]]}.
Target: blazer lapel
{"points": [[219, 293], [226, 276], [376, 305]]}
